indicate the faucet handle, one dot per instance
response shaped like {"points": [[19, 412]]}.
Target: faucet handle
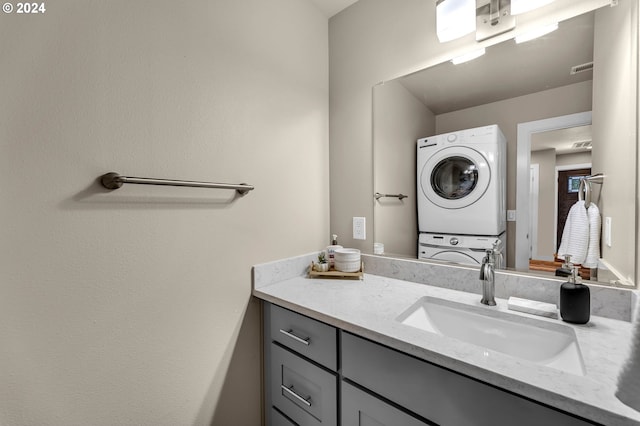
{"points": [[488, 256], [493, 253]]}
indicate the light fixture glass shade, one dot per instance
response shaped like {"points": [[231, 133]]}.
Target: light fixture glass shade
{"points": [[538, 32], [455, 19], [523, 6]]}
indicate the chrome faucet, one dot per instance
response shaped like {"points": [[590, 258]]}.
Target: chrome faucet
{"points": [[487, 274]]}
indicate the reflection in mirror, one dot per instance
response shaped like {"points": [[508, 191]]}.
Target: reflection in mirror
{"points": [[558, 159], [511, 85]]}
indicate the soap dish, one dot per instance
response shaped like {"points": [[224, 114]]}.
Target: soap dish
{"points": [[534, 307], [333, 273]]}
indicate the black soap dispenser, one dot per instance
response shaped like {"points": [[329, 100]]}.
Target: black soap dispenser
{"points": [[575, 299]]}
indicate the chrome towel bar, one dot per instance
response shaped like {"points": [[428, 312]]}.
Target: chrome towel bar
{"points": [[585, 187], [114, 180], [398, 196]]}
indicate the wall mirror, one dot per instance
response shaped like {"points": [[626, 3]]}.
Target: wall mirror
{"points": [[552, 90]]}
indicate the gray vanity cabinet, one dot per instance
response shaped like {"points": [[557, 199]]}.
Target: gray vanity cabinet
{"points": [[300, 368], [310, 338], [307, 372], [440, 395], [277, 419], [359, 408]]}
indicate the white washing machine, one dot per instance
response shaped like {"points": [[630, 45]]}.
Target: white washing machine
{"points": [[461, 182], [466, 249]]}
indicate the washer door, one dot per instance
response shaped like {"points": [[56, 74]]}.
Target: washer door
{"points": [[455, 177]]}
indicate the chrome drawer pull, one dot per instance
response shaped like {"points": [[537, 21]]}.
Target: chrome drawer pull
{"points": [[289, 333], [306, 401]]}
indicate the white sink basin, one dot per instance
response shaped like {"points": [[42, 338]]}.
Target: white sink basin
{"points": [[541, 342]]}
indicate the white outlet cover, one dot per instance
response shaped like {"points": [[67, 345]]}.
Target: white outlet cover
{"points": [[359, 228]]}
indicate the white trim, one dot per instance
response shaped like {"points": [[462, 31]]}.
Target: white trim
{"points": [[534, 181], [523, 162]]}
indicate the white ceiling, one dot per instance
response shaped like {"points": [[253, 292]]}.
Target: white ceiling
{"points": [[508, 70], [331, 7], [561, 140]]}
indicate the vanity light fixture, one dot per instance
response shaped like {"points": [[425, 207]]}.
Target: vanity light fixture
{"points": [[493, 17], [488, 18], [468, 56], [455, 19], [538, 32], [524, 6]]}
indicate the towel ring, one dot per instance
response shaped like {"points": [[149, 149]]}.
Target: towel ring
{"points": [[585, 187]]}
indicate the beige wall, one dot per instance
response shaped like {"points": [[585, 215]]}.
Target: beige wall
{"points": [[614, 95], [133, 307], [376, 40], [583, 157], [546, 161], [399, 119]]}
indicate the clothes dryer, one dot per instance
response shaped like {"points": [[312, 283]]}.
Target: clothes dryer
{"points": [[461, 186]]}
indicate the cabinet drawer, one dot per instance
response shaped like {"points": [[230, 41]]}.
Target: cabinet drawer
{"points": [[306, 393], [277, 419], [440, 395], [362, 409], [311, 338]]}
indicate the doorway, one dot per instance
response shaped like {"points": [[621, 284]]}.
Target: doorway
{"points": [[525, 134]]}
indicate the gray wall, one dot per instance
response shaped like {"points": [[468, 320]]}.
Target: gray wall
{"points": [[134, 307]]}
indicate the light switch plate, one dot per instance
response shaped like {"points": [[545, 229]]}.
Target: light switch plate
{"points": [[511, 215], [607, 231], [359, 228]]}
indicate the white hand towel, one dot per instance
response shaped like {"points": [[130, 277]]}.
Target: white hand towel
{"points": [[629, 377], [575, 236], [593, 250]]}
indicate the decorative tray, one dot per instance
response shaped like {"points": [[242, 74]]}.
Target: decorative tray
{"points": [[332, 273]]}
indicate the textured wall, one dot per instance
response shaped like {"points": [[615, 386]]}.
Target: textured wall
{"points": [[133, 307]]}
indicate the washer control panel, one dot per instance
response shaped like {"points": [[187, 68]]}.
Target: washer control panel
{"points": [[459, 241]]}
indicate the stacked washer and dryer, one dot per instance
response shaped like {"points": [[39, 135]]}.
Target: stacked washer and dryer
{"points": [[461, 194]]}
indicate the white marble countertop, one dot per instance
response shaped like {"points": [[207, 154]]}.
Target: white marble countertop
{"points": [[370, 308]]}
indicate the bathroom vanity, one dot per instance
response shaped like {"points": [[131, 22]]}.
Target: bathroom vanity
{"points": [[344, 352]]}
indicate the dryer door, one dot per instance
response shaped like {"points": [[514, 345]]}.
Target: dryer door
{"points": [[455, 177]]}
